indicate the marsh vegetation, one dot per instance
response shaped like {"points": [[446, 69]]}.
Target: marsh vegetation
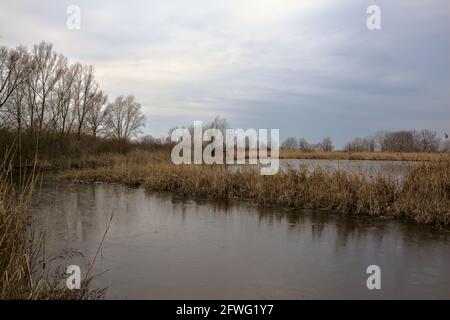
{"points": [[422, 195], [26, 270]]}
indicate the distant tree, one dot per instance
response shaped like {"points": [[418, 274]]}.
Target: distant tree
{"points": [[150, 140], [290, 144], [370, 144], [124, 118], [408, 141], [317, 147], [427, 141], [361, 145], [303, 145], [218, 123], [327, 144], [397, 141]]}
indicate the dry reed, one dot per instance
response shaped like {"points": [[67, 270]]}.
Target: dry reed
{"points": [[343, 155], [422, 195], [23, 272]]}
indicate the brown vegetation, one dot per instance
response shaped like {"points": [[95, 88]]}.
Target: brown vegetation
{"points": [[24, 271], [343, 155], [423, 195]]}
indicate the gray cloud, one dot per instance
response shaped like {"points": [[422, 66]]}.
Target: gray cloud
{"points": [[310, 68]]}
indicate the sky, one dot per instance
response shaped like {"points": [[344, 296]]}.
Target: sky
{"points": [[310, 68]]}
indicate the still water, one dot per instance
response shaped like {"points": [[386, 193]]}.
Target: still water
{"points": [[366, 167], [162, 247]]}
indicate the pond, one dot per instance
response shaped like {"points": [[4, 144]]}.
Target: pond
{"points": [[160, 246]]}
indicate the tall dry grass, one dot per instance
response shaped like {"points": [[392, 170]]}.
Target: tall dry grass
{"points": [[24, 271], [344, 155], [422, 195]]}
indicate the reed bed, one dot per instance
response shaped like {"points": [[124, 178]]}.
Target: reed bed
{"points": [[422, 195], [343, 155], [24, 272]]}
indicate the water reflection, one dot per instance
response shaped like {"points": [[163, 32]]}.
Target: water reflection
{"points": [[161, 246]]}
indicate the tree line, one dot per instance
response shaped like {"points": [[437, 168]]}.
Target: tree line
{"points": [[386, 141], [45, 100], [401, 141], [43, 95], [294, 144]]}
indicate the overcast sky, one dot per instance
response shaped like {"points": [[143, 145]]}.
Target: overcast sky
{"points": [[308, 67]]}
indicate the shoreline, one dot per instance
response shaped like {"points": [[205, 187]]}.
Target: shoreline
{"points": [[422, 196], [251, 202], [107, 160], [365, 156]]}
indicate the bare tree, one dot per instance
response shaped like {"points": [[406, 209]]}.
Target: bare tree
{"points": [[304, 146], [85, 92], [7, 116], [218, 123], [14, 68], [327, 144], [397, 141], [16, 107], [361, 145], [41, 94], [49, 68], [124, 118], [97, 114], [290, 143], [30, 91], [150, 141], [62, 108], [427, 140]]}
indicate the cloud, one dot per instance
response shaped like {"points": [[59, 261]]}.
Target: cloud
{"points": [[310, 68]]}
